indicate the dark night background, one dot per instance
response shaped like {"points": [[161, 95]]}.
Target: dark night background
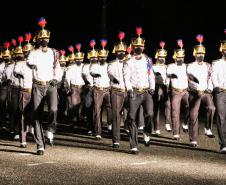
{"points": [[80, 21]]}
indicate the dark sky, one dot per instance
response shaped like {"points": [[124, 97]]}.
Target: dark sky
{"points": [[80, 21]]}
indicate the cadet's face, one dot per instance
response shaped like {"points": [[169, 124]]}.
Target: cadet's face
{"points": [[224, 53], [161, 60], [180, 60], [102, 60], [200, 57], [44, 42], [138, 50], [120, 54]]}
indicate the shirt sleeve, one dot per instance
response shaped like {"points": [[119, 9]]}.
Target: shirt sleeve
{"points": [[126, 75]]}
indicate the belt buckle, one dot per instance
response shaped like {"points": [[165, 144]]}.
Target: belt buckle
{"points": [[140, 89]]}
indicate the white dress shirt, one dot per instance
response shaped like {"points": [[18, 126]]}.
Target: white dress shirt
{"points": [[104, 80], [23, 69], [115, 71], [161, 80], [219, 73], [47, 63], [181, 71], [202, 72], [86, 73], [138, 73], [74, 75], [2, 67]]}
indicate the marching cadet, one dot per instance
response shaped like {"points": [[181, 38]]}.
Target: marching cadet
{"points": [[6, 59], [118, 89], [24, 74], [92, 57], [179, 89], [101, 92], [161, 90], [61, 87], [219, 84], [200, 88], [45, 64], [140, 84], [75, 82], [13, 96]]}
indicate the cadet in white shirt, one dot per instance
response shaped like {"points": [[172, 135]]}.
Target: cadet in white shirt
{"points": [[46, 69], [140, 84], [101, 92], [118, 89], [75, 81], [179, 92], [201, 87], [4, 89], [92, 57], [61, 88], [24, 74], [219, 85], [161, 95]]}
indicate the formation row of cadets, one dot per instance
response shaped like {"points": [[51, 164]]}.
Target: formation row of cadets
{"points": [[128, 79]]}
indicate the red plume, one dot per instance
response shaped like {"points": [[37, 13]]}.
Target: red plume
{"points": [[162, 44], [92, 43], [71, 49], [121, 35], [6, 45], [42, 22], [78, 46], [62, 52], [199, 38], [13, 42], [138, 31], [27, 37], [103, 43], [180, 43], [20, 39], [129, 49], [225, 31]]}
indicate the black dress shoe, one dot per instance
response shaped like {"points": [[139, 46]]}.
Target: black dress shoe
{"points": [[210, 136], [116, 146], [23, 145], [40, 152], [134, 152], [147, 144], [194, 145]]}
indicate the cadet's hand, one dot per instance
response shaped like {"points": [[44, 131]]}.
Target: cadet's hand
{"points": [[8, 82], [95, 75], [19, 76], [33, 67], [195, 80], [172, 76], [130, 93], [151, 92], [115, 81], [53, 82], [217, 90], [158, 74]]}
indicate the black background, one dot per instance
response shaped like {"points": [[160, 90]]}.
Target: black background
{"points": [[80, 21]]}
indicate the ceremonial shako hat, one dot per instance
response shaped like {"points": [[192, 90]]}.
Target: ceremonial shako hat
{"points": [[71, 56], [19, 49], [43, 33], [121, 46], [6, 52], [223, 43], [199, 49], [161, 52], [28, 46], [179, 53], [103, 52], [79, 55], [13, 46], [92, 53], [63, 58], [138, 41]]}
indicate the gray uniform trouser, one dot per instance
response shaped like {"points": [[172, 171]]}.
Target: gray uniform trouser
{"points": [[220, 103], [140, 99], [40, 92]]}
